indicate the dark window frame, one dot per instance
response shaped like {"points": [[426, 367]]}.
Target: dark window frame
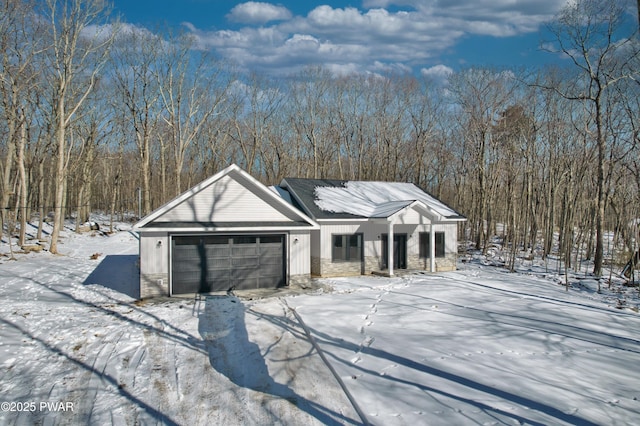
{"points": [[346, 252], [425, 252]]}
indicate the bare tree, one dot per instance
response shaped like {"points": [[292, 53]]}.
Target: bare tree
{"points": [[254, 110], [77, 55], [481, 95], [193, 87], [135, 60], [515, 133], [20, 43], [309, 107], [587, 32], [427, 146], [92, 130]]}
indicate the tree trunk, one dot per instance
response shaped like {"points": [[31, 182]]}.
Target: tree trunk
{"points": [[163, 171], [114, 197], [6, 178], [61, 175], [599, 256], [41, 200], [22, 208], [146, 176], [85, 192]]}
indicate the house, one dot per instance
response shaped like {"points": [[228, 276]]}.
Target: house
{"points": [[228, 232], [356, 219], [232, 232]]}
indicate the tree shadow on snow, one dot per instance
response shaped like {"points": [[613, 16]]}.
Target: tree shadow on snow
{"points": [[110, 380], [165, 331], [232, 354], [326, 342], [119, 273]]}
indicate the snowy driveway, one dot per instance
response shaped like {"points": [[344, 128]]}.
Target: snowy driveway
{"points": [[73, 352], [478, 346]]}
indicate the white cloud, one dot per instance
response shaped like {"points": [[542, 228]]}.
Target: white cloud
{"points": [[342, 70], [438, 74], [302, 40], [437, 71], [121, 31], [484, 17], [253, 12], [389, 68], [413, 32]]}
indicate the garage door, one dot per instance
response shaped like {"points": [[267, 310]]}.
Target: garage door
{"points": [[207, 263]]}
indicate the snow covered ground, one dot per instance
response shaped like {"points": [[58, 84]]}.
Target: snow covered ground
{"points": [[476, 346]]}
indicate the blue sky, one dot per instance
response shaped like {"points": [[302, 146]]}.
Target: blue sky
{"points": [[377, 36]]}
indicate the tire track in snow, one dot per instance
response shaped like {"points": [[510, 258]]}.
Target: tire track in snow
{"points": [[177, 379], [162, 376], [334, 373], [85, 388]]}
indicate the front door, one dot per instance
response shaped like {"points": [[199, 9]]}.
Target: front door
{"points": [[399, 251]]}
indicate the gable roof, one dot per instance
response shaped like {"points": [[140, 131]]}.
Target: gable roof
{"points": [[338, 199], [220, 193]]}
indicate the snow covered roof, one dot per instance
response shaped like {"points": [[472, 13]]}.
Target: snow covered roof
{"points": [[327, 199]]}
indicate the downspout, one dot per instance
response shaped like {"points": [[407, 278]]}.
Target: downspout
{"points": [[432, 248], [390, 248]]}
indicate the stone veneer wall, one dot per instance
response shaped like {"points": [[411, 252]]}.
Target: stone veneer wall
{"points": [[447, 263], [443, 264], [300, 281], [326, 268], [315, 266], [154, 285], [340, 269], [415, 262], [372, 263]]}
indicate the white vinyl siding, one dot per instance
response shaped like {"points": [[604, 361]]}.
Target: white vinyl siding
{"points": [[299, 253], [372, 233], [154, 253], [326, 232], [410, 217], [226, 200]]}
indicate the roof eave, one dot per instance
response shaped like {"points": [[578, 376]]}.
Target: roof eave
{"points": [[235, 229], [345, 219]]}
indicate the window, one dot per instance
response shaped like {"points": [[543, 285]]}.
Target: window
{"points": [[425, 240], [244, 240], [346, 248]]}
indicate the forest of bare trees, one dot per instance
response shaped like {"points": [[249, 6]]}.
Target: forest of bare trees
{"points": [[97, 115]]}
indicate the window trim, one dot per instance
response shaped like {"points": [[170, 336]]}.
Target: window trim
{"points": [[425, 241], [345, 240]]}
